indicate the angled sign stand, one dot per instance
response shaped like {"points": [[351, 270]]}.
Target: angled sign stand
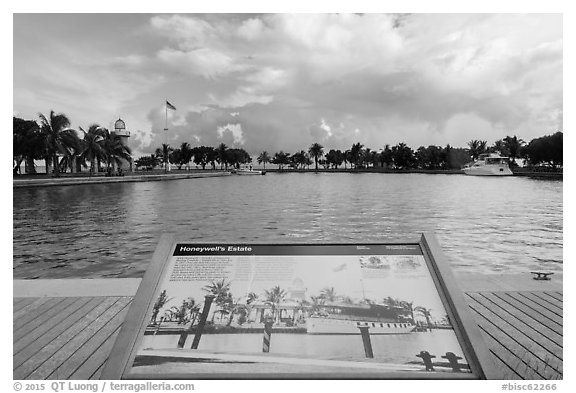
{"points": [[389, 310]]}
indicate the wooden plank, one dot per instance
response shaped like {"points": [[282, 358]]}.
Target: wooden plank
{"points": [[542, 302], [547, 300], [98, 373], [89, 346], [497, 344], [529, 331], [28, 346], [540, 314], [542, 368], [32, 310], [69, 348], [96, 361], [54, 312], [536, 324], [513, 354], [554, 295], [24, 370], [536, 310], [25, 349], [507, 372], [19, 302], [550, 354]]}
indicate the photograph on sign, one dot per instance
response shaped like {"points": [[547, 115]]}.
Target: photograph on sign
{"points": [[323, 310]]}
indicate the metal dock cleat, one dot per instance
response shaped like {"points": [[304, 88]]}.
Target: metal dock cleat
{"points": [[541, 275]]}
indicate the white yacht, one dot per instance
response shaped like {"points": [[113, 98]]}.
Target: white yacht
{"points": [[247, 171], [347, 319], [488, 164]]}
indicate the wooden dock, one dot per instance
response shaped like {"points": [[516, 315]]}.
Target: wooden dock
{"points": [[65, 329]]}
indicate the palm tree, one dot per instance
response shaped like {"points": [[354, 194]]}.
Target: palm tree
{"points": [[316, 151], [114, 151], [221, 292], [28, 143], [281, 159], [251, 297], [346, 158], [59, 137], [355, 153], [160, 302], [274, 297], [514, 146], [426, 313], [186, 153], [298, 159], [164, 152], [234, 307], [477, 147], [92, 145], [186, 312], [328, 294], [409, 306], [263, 158], [221, 153], [500, 147]]}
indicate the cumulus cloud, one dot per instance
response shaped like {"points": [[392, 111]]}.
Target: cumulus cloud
{"points": [[373, 73], [337, 79]]}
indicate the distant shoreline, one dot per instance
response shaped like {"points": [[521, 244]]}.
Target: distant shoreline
{"points": [[516, 172], [43, 180]]}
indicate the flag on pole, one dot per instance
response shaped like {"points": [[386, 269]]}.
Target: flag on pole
{"points": [[170, 106]]}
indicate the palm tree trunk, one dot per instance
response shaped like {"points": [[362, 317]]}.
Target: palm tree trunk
{"points": [[29, 165], [230, 319], [47, 165], [92, 163], [55, 164]]}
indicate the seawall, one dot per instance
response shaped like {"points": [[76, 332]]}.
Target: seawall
{"points": [[73, 181]]}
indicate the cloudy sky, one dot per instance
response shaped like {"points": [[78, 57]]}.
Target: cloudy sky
{"points": [[281, 82]]}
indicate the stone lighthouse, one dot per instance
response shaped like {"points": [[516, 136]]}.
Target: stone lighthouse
{"points": [[122, 134]]}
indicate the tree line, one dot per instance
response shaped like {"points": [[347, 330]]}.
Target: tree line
{"points": [[201, 155], [228, 306], [63, 148], [51, 139], [546, 150]]}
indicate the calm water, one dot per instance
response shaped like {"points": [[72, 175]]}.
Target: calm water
{"points": [[111, 230]]}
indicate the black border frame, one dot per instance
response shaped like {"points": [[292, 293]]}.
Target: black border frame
{"points": [[467, 331]]}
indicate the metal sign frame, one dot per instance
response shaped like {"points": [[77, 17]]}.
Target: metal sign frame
{"points": [[467, 331]]}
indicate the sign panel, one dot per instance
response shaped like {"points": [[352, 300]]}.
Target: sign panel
{"points": [[294, 311]]}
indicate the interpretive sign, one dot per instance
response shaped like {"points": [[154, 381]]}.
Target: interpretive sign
{"points": [[387, 310]]}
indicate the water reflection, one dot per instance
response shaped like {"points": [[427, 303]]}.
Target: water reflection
{"points": [[484, 224]]}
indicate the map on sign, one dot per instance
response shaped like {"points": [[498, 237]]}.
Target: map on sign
{"points": [[297, 310]]}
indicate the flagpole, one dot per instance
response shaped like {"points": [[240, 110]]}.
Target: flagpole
{"points": [[166, 124], [166, 134]]}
